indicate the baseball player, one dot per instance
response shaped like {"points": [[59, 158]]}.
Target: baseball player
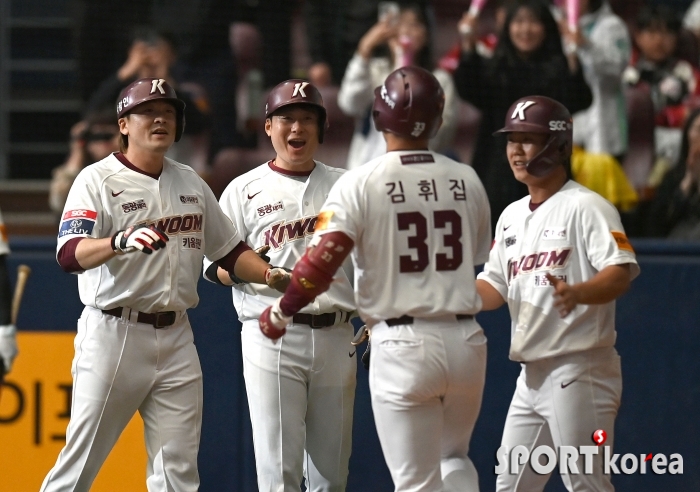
{"points": [[300, 391], [134, 348], [416, 223], [8, 342], [560, 259]]}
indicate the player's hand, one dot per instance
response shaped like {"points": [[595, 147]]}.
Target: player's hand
{"points": [[273, 323], [141, 237], [278, 278], [362, 335], [565, 296], [262, 252], [8, 346]]}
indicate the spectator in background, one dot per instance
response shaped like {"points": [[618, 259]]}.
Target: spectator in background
{"points": [[691, 19], [91, 140], [399, 39], [673, 82], [528, 60], [603, 47], [675, 210], [334, 30], [153, 54]]}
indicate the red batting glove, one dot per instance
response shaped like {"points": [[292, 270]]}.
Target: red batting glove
{"points": [[273, 323]]}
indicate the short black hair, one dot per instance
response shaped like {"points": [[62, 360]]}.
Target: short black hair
{"points": [[658, 17]]}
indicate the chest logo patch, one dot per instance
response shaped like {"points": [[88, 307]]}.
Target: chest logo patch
{"points": [[554, 233], [510, 241], [189, 200], [134, 206], [270, 208]]}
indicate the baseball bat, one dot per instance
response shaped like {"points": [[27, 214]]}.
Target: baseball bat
{"points": [[23, 273]]}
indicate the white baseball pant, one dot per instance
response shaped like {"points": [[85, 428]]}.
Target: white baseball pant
{"points": [[561, 401], [301, 392], [119, 367], [426, 381]]}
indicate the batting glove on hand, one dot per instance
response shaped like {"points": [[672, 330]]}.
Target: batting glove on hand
{"points": [[278, 278], [146, 239], [8, 346], [273, 323], [261, 252]]}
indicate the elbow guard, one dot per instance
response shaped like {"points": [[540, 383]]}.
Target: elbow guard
{"points": [[313, 273]]}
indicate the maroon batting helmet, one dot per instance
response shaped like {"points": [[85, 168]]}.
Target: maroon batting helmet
{"points": [[540, 114], [409, 104], [144, 90], [297, 91]]}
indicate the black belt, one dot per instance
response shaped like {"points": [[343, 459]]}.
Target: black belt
{"points": [[320, 320], [408, 320], [158, 320]]}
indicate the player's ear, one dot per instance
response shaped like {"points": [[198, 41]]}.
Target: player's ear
{"points": [[268, 126], [122, 125]]}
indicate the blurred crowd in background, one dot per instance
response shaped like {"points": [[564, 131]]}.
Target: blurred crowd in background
{"points": [[628, 71]]}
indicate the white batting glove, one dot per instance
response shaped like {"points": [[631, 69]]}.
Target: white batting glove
{"points": [[141, 237], [8, 346], [278, 278]]}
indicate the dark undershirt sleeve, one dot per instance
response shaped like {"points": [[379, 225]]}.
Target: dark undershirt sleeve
{"points": [[66, 256], [228, 262]]}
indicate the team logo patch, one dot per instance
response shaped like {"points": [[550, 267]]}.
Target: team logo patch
{"points": [[270, 208], [177, 224], [189, 200], [77, 222], [324, 219], [134, 206], [554, 233], [191, 242], [622, 241], [541, 261], [283, 232], [510, 241]]}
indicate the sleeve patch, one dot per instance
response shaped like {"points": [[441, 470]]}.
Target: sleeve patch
{"points": [[82, 227], [80, 214], [622, 241], [323, 220]]}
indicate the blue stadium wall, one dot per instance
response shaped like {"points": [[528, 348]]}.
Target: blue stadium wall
{"points": [[658, 323]]}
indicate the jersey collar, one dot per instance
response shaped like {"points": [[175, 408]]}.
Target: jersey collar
{"points": [[122, 158], [287, 172]]}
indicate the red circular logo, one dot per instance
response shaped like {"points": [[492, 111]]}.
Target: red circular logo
{"points": [[599, 437]]}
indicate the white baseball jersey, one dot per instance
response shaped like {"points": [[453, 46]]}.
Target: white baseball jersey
{"points": [[271, 207], [572, 235], [420, 222], [108, 196], [4, 245]]}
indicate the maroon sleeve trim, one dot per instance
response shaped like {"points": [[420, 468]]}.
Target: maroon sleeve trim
{"points": [[66, 256], [228, 262]]}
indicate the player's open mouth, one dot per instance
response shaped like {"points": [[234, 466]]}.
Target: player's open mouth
{"points": [[160, 131], [520, 163], [296, 143]]}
